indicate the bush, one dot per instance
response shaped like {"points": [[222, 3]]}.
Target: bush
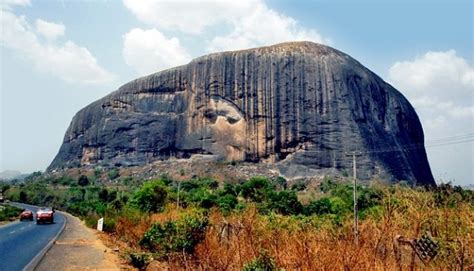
{"points": [[139, 260], [285, 203], [176, 236], [151, 197], [227, 202], [318, 207], [113, 174], [83, 180], [299, 186], [327, 185], [256, 189], [264, 262], [281, 183], [8, 212], [23, 196]]}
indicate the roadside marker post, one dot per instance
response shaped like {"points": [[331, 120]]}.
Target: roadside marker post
{"points": [[100, 224]]}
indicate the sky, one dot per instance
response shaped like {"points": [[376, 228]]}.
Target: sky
{"points": [[58, 56]]}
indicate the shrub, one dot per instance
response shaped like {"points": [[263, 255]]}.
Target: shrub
{"points": [[318, 207], [23, 196], [231, 189], [113, 174], [281, 183], [299, 186], [176, 236], [256, 189], [139, 260], [151, 197], [83, 180], [339, 206], [264, 262], [227, 202], [285, 203], [8, 212], [327, 185]]}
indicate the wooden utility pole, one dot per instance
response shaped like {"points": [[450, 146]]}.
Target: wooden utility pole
{"points": [[177, 201], [354, 176]]}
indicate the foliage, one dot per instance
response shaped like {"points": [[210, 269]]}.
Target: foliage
{"points": [[256, 189], [83, 180], [264, 262], [224, 227], [139, 260], [150, 197], [4, 187], [298, 186], [180, 235], [284, 202], [113, 174], [8, 212], [318, 207]]}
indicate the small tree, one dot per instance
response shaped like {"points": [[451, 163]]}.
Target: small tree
{"points": [[4, 187], [151, 197], [285, 202], [319, 207], [113, 174], [256, 189], [23, 196], [83, 180]]}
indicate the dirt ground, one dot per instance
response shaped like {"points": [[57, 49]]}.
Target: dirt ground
{"points": [[79, 248]]}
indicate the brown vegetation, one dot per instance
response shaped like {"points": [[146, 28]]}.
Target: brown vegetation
{"points": [[318, 243]]}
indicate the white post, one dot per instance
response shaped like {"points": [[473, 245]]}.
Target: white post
{"points": [[100, 224]]}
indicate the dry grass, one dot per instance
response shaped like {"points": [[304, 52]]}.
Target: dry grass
{"points": [[316, 243]]}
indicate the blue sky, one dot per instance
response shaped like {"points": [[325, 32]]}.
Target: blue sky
{"points": [[58, 56]]}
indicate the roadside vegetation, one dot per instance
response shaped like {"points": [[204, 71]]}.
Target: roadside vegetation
{"points": [[263, 223], [9, 213]]}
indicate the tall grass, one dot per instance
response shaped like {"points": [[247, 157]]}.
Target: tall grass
{"points": [[325, 243]]}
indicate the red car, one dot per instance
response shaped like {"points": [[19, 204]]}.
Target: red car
{"points": [[44, 215], [26, 214]]}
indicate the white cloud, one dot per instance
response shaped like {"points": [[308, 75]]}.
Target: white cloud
{"points": [[67, 61], [441, 88], [6, 4], [436, 74], [263, 26], [188, 16], [150, 51], [249, 23], [49, 30]]}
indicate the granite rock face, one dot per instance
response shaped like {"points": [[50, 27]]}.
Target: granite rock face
{"points": [[300, 106]]}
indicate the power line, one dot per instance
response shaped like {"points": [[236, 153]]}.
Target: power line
{"points": [[462, 136]]}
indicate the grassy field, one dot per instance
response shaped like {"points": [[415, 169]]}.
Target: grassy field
{"points": [[266, 224]]}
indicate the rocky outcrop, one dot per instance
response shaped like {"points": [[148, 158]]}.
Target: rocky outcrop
{"points": [[300, 106]]}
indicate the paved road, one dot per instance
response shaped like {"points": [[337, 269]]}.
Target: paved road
{"points": [[20, 242]]}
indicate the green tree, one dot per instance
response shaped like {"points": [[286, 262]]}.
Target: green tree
{"points": [[83, 180], [23, 196], [151, 197], [318, 207], [285, 202], [176, 236], [113, 174], [256, 189]]}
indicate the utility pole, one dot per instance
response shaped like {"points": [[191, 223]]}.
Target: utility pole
{"points": [[177, 201], [354, 176]]}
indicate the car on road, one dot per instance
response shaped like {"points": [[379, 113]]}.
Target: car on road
{"points": [[44, 215], [26, 215]]}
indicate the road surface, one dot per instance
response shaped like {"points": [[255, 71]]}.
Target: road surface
{"points": [[20, 242]]}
